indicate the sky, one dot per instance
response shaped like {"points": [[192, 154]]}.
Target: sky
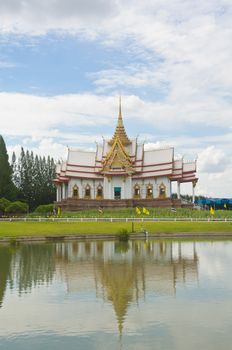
{"points": [[63, 64]]}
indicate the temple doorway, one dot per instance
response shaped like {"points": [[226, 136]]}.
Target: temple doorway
{"points": [[117, 192]]}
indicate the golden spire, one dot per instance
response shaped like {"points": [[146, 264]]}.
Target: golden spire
{"points": [[120, 131], [120, 108]]}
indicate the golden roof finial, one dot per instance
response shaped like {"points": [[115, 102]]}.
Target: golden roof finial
{"points": [[120, 131], [120, 108]]}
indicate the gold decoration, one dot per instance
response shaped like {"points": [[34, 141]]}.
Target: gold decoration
{"points": [[87, 192], [194, 183], [117, 158], [120, 131], [162, 191], [149, 191], [99, 192], [75, 191], [136, 191]]}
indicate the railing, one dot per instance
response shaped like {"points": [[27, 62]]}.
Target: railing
{"points": [[97, 219]]}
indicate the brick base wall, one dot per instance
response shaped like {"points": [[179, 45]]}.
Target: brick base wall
{"points": [[72, 204]]}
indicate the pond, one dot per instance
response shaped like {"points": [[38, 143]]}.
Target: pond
{"points": [[161, 294]]}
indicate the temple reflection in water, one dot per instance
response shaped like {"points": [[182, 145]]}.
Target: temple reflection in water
{"points": [[125, 272], [161, 294], [119, 273]]}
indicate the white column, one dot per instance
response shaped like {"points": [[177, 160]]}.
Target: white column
{"points": [[105, 188], [129, 187], [63, 189], [94, 190], [178, 189], [194, 185], [109, 189], [81, 189], [142, 190], [123, 188], [57, 194], [60, 192]]}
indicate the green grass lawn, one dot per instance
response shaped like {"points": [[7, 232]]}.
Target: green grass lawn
{"points": [[16, 229], [154, 212]]}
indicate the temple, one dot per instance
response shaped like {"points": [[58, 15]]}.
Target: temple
{"points": [[121, 173]]}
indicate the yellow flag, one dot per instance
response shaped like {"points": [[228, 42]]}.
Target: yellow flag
{"points": [[225, 206], [146, 211], [212, 211], [138, 211], [58, 212]]}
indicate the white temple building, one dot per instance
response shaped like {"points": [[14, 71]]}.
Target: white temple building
{"points": [[122, 173]]}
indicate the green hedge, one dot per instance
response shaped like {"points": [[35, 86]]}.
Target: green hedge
{"points": [[17, 208], [45, 209]]}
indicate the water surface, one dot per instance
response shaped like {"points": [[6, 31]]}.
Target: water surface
{"points": [[109, 295]]}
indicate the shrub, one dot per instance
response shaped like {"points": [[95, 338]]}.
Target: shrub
{"points": [[123, 235], [17, 208], [45, 209], [4, 203]]}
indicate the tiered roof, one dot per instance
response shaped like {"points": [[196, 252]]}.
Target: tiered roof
{"points": [[120, 131], [121, 156]]}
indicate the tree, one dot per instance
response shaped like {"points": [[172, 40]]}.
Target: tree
{"points": [[33, 177], [7, 188], [4, 203]]}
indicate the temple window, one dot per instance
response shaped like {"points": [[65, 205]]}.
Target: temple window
{"points": [[75, 191], [162, 191], [136, 191], [87, 192], [99, 192], [149, 193]]}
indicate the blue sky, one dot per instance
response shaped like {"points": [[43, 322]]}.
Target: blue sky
{"points": [[63, 65]]}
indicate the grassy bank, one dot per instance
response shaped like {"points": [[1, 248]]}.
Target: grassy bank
{"points": [[17, 229], [154, 212]]}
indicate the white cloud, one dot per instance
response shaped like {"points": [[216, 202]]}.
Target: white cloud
{"points": [[185, 51], [151, 146], [36, 116], [189, 45], [215, 185], [213, 160], [4, 64], [34, 17], [215, 171], [48, 124], [45, 147], [138, 76]]}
